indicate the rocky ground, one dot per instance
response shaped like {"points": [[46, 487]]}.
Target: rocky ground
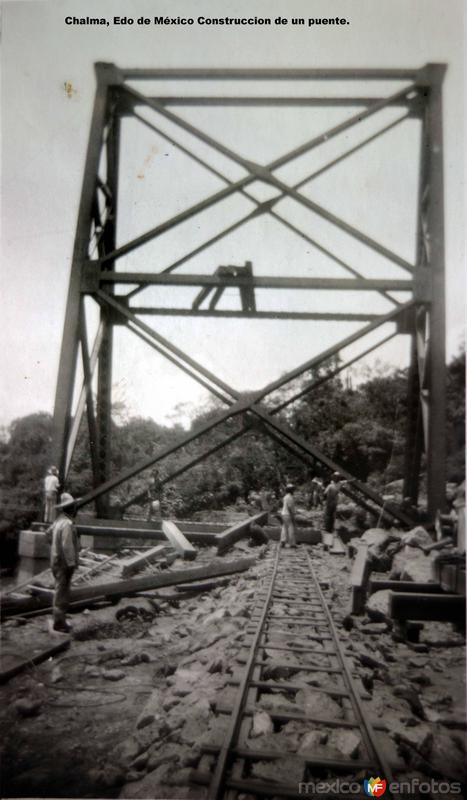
{"points": [[124, 712]]}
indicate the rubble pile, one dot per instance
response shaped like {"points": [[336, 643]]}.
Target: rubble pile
{"points": [[128, 709]]}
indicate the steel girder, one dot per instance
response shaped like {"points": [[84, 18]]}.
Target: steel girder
{"points": [[94, 270]]}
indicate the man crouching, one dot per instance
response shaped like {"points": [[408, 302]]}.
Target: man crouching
{"points": [[64, 556]]}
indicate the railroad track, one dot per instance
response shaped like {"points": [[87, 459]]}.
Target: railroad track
{"points": [[292, 635]]}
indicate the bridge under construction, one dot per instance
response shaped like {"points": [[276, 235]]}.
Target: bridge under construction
{"points": [[100, 270]]}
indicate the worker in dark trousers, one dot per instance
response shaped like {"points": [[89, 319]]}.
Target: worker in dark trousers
{"points": [[331, 496], [317, 492], [64, 557], [288, 535], [51, 487]]}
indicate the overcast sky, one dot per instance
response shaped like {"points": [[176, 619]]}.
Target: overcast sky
{"points": [[45, 131]]}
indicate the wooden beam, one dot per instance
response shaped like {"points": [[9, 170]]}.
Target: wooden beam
{"points": [[434, 607], [238, 531], [338, 547], [167, 578], [142, 559], [178, 541], [154, 535], [379, 585], [359, 579], [50, 652]]}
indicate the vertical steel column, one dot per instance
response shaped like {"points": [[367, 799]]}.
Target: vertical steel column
{"points": [[109, 243], [436, 451], [105, 74], [414, 429]]}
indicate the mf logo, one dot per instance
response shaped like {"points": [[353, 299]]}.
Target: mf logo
{"points": [[374, 787]]}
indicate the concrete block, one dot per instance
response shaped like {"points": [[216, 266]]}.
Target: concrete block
{"points": [[33, 544]]}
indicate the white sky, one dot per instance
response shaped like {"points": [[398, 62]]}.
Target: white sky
{"points": [[45, 133]]}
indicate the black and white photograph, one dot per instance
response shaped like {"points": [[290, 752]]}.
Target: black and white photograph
{"points": [[232, 415]]}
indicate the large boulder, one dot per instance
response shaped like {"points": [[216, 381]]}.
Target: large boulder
{"points": [[417, 537], [411, 564], [377, 605], [375, 537]]}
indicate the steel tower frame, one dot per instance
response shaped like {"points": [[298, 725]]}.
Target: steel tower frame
{"points": [[422, 317]]}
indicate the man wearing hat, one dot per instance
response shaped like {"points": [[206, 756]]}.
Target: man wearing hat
{"points": [[51, 486], [64, 556], [288, 517]]}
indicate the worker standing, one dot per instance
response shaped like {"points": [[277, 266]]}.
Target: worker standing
{"points": [[331, 495], [317, 491], [288, 517], [64, 557], [51, 486]]}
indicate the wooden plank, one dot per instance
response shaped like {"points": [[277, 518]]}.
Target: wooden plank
{"points": [[359, 579], [272, 755], [327, 539], [100, 565], [50, 652], [185, 525], [338, 548], [434, 607], [238, 531], [140, 560], [178, 541], [202, 586], [144, 534], [360, 568], [379, 585], [126, 587], [167, 578]]}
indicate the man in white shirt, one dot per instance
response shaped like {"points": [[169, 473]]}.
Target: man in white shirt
{"points": [[288, 517], [51, 486]]}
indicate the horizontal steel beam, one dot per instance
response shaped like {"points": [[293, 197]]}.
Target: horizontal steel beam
{"points": [[269, 74], [263, 282], [205, 100], [211, 312]]}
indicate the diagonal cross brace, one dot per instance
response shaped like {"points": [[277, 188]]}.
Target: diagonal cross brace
{"points": [[284, 443], [263, 207], [240, 406], [262, 173]]}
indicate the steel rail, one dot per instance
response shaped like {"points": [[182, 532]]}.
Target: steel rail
{"points": [[221, 780], [225, 752], [347, 676]]}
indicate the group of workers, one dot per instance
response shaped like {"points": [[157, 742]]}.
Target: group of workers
{"points": [[319, 495], [63, 539]]}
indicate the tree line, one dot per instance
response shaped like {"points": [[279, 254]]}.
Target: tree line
{"points": [[362, 428]]}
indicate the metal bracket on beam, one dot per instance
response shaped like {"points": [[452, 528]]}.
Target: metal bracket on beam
{"points": [[115, 317], [90, 277], [430, 74], [423, 285], [108, 74], [406, 321]]}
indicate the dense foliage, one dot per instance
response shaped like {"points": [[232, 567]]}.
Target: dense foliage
{"points": [[362, 428]]}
